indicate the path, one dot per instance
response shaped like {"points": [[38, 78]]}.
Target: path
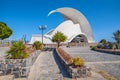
{"points": [[45, 68], [48, 67], [97, 60]]}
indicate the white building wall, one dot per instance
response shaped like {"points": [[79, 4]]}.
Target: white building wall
{"points": [[68, 28]]}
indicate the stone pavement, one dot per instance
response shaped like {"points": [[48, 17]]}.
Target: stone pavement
{"points": [[97, 60], [7, 77], [48, 67], [45, 68]]}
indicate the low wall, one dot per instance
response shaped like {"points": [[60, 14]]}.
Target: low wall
{"points": [[69, 45], [115, 52], [74, 72], [18, 67]]}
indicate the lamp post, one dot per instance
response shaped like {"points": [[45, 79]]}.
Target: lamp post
{"points": [[43, 27]]}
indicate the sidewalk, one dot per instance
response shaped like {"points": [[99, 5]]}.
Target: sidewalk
{"points": [[45, 68]]}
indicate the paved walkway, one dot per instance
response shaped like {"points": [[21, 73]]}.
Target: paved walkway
{"points": [[7, 77], [97, 60], [103, 62], [45, 68], [48, 67]]}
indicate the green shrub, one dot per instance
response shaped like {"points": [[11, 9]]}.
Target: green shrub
{"points": [[38, 45], [17, 51], [77, 62], [117, 38], [103, 41], [58, 38], [93, 47], [100, 45]]}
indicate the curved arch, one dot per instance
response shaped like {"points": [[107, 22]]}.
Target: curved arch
{"points": [[77, 18], [79, 38]]}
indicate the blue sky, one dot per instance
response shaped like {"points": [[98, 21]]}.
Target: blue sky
{"points": [[24, 16]]}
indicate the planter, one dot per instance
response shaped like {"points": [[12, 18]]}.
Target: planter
{"points": [[73, 71], [115, 52], [18, 67], [80, 72]]}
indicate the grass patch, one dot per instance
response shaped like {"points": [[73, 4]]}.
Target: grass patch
{"points": [[106, 75]]}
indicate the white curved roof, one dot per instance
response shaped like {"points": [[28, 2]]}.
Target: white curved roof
{"points": [[77, 18], [75, 24], [69, 29]]}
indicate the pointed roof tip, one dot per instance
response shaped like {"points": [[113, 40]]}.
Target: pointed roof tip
{"points": [[51, 12]]}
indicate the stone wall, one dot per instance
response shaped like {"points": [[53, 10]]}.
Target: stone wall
{"points": [[110, 51], [77, 72], [18, 67], [71, 44]]}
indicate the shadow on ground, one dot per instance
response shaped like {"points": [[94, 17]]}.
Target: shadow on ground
{"points": [[60, 66], [48, 49]]}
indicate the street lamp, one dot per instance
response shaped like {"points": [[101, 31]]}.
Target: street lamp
{"points": [[43, 27]]}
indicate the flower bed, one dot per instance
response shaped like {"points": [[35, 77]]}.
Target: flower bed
{"points": [[74, 66], [64, 56]]}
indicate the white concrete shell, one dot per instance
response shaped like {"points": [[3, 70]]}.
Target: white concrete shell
{"points": [[75, 24]]}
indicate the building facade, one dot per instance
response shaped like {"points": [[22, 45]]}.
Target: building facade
{"points": [[75, 26]]}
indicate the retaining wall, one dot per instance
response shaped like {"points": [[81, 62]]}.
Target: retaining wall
{"points": [[77, 72], [115, 52], [18, 67]]}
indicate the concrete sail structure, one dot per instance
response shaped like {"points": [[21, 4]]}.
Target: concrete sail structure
{"points": [[75, 27]]}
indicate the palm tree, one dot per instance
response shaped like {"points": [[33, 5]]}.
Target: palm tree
{"points": [[38, 45], [117, 38], [59, 37], [17, 51]]}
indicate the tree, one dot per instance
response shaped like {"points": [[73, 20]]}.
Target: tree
{"points": [[117, 38], [59, 37], [17, 51], [38, 45], [103, 41], [5, 31]]}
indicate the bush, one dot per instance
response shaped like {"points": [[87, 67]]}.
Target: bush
{"points": [[17, 51], [59, 37], [108, 45], [93, 47], [38, 45], [100, 45], [103, 41], [77, 62]]}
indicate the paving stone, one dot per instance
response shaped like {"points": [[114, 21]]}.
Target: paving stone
{"points": [[7, 77], [97, 60], [45, 68]]}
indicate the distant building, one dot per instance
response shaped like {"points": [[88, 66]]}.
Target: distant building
{"points": [[75, 27]]}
